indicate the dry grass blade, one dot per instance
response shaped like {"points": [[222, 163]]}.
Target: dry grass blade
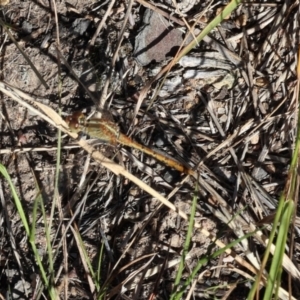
{"points": [[33, 149], [24, 54], [161, 12], [100, 26], [49, 114], [103, 98]]}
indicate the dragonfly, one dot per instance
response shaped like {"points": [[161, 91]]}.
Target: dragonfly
{"points": [[108, 132]]}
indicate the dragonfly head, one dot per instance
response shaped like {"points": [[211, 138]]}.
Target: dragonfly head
{"points": [[76, 121]]}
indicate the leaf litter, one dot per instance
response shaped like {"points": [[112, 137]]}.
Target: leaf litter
{"points": [[237, 135]]}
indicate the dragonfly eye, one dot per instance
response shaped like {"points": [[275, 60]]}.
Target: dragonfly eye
{"points": [[74, 123]]}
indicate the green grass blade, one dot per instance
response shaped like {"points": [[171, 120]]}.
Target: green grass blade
{"points": [[29, 234], [206, 259], [282, 221], [18, 203], [274, 278], [231, 6], [186, 246]]}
